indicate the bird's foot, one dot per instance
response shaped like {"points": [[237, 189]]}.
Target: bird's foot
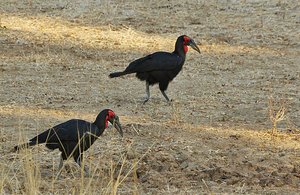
{"points": [[87, 172], [145, 100], [58, 175], [170, 102]]}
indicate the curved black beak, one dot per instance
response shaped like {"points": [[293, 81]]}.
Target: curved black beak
{"points": [[193, 45], [116, 123]]}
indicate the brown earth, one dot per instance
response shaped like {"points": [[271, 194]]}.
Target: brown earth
{"points": [[215, 136]]}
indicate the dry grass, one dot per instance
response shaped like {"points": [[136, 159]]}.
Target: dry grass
{"points": [[276, 115], [55, 58], [120, 170], [28, 174]]}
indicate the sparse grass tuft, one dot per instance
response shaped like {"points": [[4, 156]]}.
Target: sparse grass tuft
{"points": [[32, 175], [176, 113], [277, 111]]}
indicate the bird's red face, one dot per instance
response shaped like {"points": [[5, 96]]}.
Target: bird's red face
{"points": [[186, 41], [110, 116], [114, 120]]}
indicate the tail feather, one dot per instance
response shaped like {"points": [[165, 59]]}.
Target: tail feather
{"points": [[117, 74], [39, 139]]}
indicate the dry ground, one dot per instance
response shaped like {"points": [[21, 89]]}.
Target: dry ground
{"points": [[215, 135]]}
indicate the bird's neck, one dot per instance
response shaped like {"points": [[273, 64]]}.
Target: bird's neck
{"points": [[100, 123], [180, 54], [180, 49]]}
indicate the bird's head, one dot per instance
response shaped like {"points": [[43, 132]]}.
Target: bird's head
{"points": [[112, 118], [187, 41]]}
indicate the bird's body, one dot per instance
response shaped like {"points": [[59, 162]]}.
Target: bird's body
{"points": [[74, 136], [160, 67], [66, 137], [153, 70]]}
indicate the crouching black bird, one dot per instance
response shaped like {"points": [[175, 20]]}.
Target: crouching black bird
{"points": [[160, 67], [75, 136]]}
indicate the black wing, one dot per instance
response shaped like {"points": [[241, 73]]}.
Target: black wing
{"points": [[71, 130], [155, 61]]}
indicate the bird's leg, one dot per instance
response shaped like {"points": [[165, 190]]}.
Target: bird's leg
{"points": [[147, 92], [78, 161], [61, 162], [60, 166], [87, 171], [165, 95]]}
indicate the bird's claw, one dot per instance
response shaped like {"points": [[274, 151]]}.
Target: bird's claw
{"points": [[87, 172], [146, 100]]}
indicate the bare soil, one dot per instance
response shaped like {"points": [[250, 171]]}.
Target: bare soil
{"points": [[216, 134]]}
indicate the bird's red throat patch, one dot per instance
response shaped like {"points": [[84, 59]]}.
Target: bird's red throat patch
{"points": [[110, 115], [185, 48], [186, 39]]}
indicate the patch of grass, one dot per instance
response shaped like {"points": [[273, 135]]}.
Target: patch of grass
{"points": [[277, 111]]}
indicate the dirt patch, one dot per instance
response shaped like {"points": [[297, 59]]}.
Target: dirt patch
{"points": [[215, 135]]}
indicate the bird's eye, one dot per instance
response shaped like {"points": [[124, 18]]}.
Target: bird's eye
{"points": [[186, 39], [111, 114]]}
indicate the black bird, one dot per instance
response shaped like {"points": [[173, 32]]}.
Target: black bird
{"points": [[160, 67], [75, 136]]}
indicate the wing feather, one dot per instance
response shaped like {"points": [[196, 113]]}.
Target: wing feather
{"points": [[156, 61]]}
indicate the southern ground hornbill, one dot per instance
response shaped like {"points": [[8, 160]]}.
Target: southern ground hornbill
{"points": [[74, 136], [160, 67]]}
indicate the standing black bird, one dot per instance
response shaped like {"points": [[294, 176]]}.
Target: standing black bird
{"points": [[160, 67], [75, 136]]}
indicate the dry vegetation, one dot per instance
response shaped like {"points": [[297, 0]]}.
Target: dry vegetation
{"points": [[233, 125]]}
